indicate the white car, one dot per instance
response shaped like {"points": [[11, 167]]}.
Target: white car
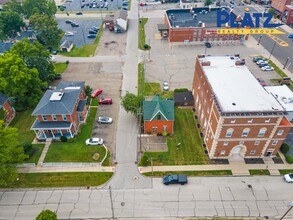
{"points": [[289, 178], [105, 120], [69, 33], [267, 68], [94, 141], [165, 86], [261, 61]]}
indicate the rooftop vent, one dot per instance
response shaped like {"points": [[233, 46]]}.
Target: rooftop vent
{"points": [[56, 96], [206, 63]]}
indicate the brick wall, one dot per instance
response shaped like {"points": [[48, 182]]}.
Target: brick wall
{"points": [[148, 126], [9, 112]]}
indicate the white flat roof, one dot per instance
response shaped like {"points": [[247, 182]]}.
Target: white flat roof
{"points": [[236, 89], [283, 94]]}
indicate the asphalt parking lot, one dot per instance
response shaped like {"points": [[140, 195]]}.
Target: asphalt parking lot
{"points": [[113, 5], [80, 33]]}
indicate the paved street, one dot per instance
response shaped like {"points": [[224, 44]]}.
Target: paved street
{"points": [[201, 197]]}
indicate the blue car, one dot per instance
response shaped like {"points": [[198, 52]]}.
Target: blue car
{"points": [[290, 35]]}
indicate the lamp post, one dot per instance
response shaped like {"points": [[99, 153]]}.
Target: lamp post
{"points": [[259, 39], [288, 58], [291, 206], [272, 50]]}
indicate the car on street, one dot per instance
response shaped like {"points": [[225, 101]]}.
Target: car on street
{"points": [[290, 35], [267, 68], [175, 179], [68, 22], [91, 36], [96, 93], [73, 24], [78, 13], [289, 178], [261, 61], [262, 65], [261, 81], [247, 9], [165, 86], [105, 120], [92, 32], [105, 101], [94, 141], [69, 33], [142, 4]]}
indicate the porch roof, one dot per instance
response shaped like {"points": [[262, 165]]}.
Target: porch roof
{"points": [[50, 125]]}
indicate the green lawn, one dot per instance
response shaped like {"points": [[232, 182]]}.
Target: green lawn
{"points": [[87, 50], [40, 180], [60, 67], [141, 35], [259, 172], [283, 172], [23, 122], [35, 157], [77, 151], [141, 81], [192, 173], [185, 132]]}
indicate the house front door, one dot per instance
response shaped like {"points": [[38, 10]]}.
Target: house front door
{"points": [[154, 130]]}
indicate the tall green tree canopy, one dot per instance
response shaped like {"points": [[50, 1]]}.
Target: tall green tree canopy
{"points": [[36, 56], [20, 82], [11, 23], [14, 6], [11, 153], [131, 103], [47, 215], [46, 29], [43, 7]]}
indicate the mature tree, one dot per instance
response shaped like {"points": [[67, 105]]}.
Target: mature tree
{"points": [[43, 7], [208, 2], [36, 56], [11, 23], [47, 215], [271, 11], [20, 82], [13, 5], [11, 153], [46, 29], [131, 103]]}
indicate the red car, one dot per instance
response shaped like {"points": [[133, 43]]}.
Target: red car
{"points": [[96, 92], [105, 101], [261, 81], [142, 4]]}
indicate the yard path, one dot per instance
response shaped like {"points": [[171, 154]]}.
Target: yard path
{"points": [[44, 152]]}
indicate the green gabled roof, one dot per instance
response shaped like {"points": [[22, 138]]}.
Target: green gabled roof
{"points": [[158, 105]]}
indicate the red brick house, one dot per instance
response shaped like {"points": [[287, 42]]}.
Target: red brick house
{"points": [[9, 111], [158, 116], [237, 116], [60, 112]]}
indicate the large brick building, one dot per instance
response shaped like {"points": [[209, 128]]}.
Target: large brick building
{"points": [[237, 115], [196, 25], [284, 8]]}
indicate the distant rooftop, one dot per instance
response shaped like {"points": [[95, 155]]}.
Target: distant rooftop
{"points": [[185, 18], [283, 94], [236, 89]]}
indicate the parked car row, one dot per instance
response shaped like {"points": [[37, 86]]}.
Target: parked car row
{"points": [[262, 63], [104, 4]]}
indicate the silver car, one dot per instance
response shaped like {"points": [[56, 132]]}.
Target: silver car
{"points": [[94, 141], [105, 120], [165, 86]]}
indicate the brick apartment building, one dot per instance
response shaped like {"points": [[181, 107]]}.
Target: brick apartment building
{"points": [[237, 116], [196, 25], [61, 111], [191, 3], [284, 8]]}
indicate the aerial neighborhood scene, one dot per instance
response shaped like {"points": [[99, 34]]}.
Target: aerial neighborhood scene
{"points": [[146, 109]]}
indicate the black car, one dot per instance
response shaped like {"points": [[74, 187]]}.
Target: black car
{"points": [[92, 32], [208, 45], [73, 24], [94, 28], [68, 22], [175, 179], [78, 13], [91, 36]]}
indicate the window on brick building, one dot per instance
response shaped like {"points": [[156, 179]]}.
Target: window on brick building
{"points": [[256, 142], [158, 117], [164, 128], [245, 132], [275, 142], [241, 142], [250, 120], [223, 152], [233, 121], [252, 152], [54, 117], [267, 120], [64, 117], [280, 132], [44, 117], [226, 143], [229, 132], [262, 132]]}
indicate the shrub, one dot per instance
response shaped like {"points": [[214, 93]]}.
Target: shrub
{"points": [[165, 133], [28, 149], [146, 46], [63, 139], [289, 159], [285, 148], [144, 161], [47, 215], [181, 90]]}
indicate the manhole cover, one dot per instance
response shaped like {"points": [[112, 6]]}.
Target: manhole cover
{"points": [[122, 203], [135, 178]]}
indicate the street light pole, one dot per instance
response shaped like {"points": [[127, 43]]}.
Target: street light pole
{"points": [[291, 206], [272, 50], [259, 39], [288, 58]]}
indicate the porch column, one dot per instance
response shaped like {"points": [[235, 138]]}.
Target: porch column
{"points": [[70, 133], [44, 133], [36, 133], [52, 133]]}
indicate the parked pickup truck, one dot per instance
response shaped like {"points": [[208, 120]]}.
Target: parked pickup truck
{"points": [[175, 179]]}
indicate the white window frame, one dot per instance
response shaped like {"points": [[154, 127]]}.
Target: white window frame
{"points": [[225, 143], [223, 152], [252, 152], [275, 142], [262, 132], [280, 132], [229, 132], [267, 120], [54, 117], [233, 121], [245, 132], [64, 117]]}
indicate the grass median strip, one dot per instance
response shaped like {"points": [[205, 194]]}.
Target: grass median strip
{"points": [[141, 39], [259, 172], [283, 172], [43, 180], [192, 173]]}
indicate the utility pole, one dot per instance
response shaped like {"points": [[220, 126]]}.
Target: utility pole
{"points": [[288, 58], [112, 208], [291, 206], [272, 50]]}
